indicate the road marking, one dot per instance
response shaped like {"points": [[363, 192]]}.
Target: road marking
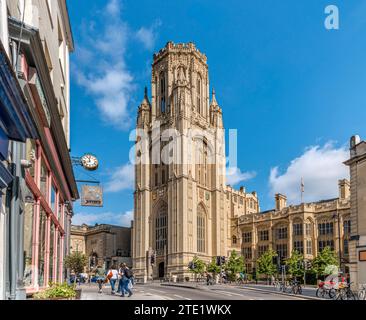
{"points": [[180, 297], [158, 291], [225, 293]]}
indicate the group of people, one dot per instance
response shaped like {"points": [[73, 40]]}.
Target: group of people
{"points": [[123, 275]]}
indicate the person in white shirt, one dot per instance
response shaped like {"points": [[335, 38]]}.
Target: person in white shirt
{"points": [[113, 277]]}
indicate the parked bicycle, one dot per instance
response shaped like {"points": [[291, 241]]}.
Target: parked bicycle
{"points": [[326, 289], [362, 292], [295, 287], [345, 292]]}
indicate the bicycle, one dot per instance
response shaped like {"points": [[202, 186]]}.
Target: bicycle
{"points": [[362, 292], [345, 292], [324, 290], [295, 287]]}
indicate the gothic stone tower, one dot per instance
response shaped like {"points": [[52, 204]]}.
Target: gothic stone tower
{"points": [[179, 206]]}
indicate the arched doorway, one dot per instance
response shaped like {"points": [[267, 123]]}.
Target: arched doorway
{"points": [[161, 270]]}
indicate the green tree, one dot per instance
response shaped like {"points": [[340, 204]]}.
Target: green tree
{"points": [[213, 267], [234, 265], [76, 261], [199, 266], [295, 264], [323, 259], [265, 263]]}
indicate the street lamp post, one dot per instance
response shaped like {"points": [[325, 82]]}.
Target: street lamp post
{"points": [[339, 240]]}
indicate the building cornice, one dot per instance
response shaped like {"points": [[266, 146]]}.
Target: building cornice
{"points": [[66, 22]]}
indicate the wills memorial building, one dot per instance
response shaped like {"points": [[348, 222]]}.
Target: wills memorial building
{"points": [[182, 205]]}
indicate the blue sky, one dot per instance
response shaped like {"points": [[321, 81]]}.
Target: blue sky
{"points": [[294, 90]]}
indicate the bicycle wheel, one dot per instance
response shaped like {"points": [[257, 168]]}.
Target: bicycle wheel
{"points": [[362, 295], [299, 290], [320, 293], [332, 293], [350, 295]]}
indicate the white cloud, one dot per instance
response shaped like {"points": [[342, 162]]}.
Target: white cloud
{"points": [[102, 70], [235, 176], [147, 36], [320, 167], [120, 219], [113, 7], [123, 178]]}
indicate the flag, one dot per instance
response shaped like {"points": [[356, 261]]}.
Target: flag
{"points": [[302, 185]]}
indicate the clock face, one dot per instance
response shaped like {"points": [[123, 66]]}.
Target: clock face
{"points": [[90, 162]]}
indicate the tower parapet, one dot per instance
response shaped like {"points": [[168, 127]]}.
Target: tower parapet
{"points": [[172, 47]]}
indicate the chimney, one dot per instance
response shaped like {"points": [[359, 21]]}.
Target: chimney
{"points": [[344, 189], [281, 201]]}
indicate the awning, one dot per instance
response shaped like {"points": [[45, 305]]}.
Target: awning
{"points": [[14, 116]]}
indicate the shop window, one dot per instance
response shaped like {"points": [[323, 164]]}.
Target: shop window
{"points": [[28, 243], [44, 180], [42, 247], [52, 239], [53, 200], [31, 150]]}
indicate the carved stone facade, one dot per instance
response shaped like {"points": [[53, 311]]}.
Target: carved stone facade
{"points": [[102, 244], [182, 208], [307, 228], [357, 165]]}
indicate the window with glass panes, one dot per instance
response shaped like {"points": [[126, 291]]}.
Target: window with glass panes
{"points": [[247, 237], [347, 227], [262, 250], [299, 246], [325, 228], [281, 233], [263, 235], [281, 250], [309, 247], [297, 229], [325, 243], [247, 252]]}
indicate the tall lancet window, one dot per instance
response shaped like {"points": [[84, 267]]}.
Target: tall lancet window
{"points": [[201, 229], [161, 230], [162, 93], [199, 95]]}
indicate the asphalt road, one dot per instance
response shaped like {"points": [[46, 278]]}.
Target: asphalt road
{"points": [[216, 292]]}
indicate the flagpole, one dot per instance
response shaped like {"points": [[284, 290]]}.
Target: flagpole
{"points": [[302, 190]]}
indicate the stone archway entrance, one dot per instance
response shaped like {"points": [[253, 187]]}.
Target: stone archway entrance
{"points": [[161, 270]]}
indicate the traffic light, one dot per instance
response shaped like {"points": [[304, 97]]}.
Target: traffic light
{"points": [[223, 260], [218, 261], [191, 265], [152, 259], [307, 265], [275, 260]]}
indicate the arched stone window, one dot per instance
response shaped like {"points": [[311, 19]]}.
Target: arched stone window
{"points": [[161, 229], [201, 229], [162, 93], [202, 164]]}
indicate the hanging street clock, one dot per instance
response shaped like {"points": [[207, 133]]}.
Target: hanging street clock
{"points": [[90, 162]]}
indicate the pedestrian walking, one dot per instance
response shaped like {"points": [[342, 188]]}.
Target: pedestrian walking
{"points": [[113, 277], [126, 275], [100, 275]]}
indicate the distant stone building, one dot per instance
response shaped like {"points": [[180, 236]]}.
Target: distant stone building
{"points": [[102, 244], [307, 228], [357, 164]]}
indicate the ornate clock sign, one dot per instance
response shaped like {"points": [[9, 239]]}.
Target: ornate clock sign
{"points": [[90, 162]]}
